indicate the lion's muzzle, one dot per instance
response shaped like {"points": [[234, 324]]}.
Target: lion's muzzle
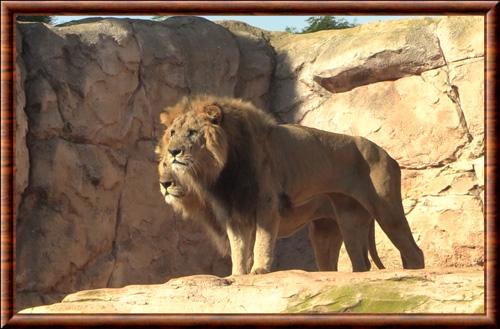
{"points": [[169, 188], [166, 184], [174, 151]]}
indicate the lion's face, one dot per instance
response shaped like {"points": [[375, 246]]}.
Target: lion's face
{"points": [[193, 147], [179, 198], [187, 150], [170, 189]]}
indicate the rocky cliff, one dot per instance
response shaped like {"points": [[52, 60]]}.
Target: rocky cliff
{"points": [[88, 95]]}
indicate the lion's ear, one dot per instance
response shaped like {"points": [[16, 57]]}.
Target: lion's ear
{"points": [[169, 115], [214, 112]]}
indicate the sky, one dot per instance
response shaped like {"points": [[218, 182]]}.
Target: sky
{"points": [[270, 23]]}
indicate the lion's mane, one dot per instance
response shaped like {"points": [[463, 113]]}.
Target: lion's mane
{"points": [[234, 145]]}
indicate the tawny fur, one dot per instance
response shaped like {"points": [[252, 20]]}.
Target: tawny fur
{"points": [[238, 160], [318, 213]]}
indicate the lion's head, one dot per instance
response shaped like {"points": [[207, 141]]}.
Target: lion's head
{"points": [[210, 142], [194, 144]]}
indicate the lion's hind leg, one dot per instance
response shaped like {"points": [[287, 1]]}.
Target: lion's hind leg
{"points": [[380, 195], [326, 241], [354, 223], [393, 222], [388, 212]]}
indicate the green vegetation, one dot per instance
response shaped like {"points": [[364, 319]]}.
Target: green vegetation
{"points": [[318, 23], [373, 297], [42, 19], [408, 294]]}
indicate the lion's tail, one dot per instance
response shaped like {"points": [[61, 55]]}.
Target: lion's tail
{"points": [[372, 248]]}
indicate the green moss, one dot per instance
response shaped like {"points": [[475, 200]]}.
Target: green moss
{"points": [[382, 296], [388, 305]]}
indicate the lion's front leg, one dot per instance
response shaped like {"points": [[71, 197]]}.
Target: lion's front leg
{"points": [[268, 220], [241, 241], [265, 239]]}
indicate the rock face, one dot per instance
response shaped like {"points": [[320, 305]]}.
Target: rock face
{"points": [[295, 291], [91, 215], [416, 88], [88, 96]]}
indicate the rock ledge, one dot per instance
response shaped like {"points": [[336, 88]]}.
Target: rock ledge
{"points": [[409, 291]]}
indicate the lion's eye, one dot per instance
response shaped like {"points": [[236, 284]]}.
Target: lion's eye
{"points": [[172, 132], [191, 132]]}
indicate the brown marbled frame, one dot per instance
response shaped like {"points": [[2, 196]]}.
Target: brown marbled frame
{"points": [[11, 8]]}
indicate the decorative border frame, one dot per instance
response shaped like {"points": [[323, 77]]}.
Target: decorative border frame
{"points": [[11, 8]]}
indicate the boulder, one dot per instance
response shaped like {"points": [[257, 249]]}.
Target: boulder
{"points": [[355, 58]]}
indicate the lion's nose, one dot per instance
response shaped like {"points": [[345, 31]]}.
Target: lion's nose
{"points": [[174, 152], [166, 184]]}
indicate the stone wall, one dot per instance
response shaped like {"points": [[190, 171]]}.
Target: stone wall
{"points": [[89, 213]]}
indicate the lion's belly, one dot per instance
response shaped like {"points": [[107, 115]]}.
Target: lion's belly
{"points": [[286, 228], [297, 215]]}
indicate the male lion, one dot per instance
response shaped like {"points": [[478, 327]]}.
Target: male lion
{"points": [[318, 213], [240, 161]]}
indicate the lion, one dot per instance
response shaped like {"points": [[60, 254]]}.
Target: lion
{"points": [[324, 233], [240, 161]]}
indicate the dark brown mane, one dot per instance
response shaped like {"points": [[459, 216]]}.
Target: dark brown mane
{"points": [[236, 188]]}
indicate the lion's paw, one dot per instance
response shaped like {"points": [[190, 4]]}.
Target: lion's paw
{"points": [[259, 271]]}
